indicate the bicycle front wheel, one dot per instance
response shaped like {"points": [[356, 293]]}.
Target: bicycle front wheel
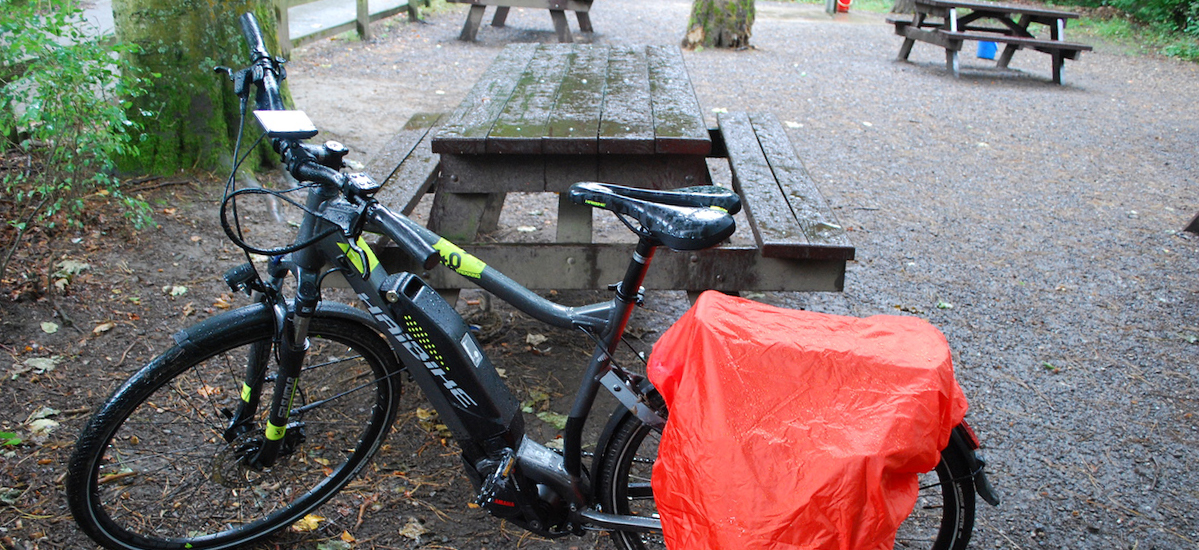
{"points": [[942, 519], [152, 469]]}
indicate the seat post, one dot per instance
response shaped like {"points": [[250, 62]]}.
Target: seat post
{"points": [[628, 294]]}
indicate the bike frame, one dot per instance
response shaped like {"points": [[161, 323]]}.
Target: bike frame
{"points": [[439, 352]]}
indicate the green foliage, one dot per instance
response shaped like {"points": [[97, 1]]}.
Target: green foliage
{"points": [[1170, 16], [8, 439], [62, 116], [194, 117], [1164, 38]]}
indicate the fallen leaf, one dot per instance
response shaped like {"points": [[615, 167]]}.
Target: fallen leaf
{"points": [[70, 268], [44, 412], [526, 229], [413, 529], [346, 536], [103, 327], [177, 290], [197, 238], [10, 495], [554, 419], [42, 365], [308, 523], [49, 328], [535, 339], [225, 301], [42, 426], [334, 545]]}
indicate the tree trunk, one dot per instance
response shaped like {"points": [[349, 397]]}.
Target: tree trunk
{"points": [[190, 114], [720, 24], [904, 6]]}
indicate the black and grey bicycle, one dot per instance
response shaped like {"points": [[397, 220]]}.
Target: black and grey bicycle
{"points": [[257, 416]]}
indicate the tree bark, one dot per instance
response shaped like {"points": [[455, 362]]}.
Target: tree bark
{"points": [[720, 24], [190, 115]]}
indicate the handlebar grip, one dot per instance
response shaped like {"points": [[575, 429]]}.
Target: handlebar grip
{"points": [[253, 35]]}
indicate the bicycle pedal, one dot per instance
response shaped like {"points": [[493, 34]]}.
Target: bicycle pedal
{"points": [[498, 493]]}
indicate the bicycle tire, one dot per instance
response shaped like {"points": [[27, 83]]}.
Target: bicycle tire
{"points": [[942, 519], [152, 470]]}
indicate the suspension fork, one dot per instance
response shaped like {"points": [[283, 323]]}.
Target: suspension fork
{"points": [[259, 356]]}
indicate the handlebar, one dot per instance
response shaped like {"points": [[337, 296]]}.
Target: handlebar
{"points": [[318, 164]]}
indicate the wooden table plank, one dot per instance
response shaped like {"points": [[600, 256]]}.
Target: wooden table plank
{"points": [[573, 128], [996, 7], [557, 266], [771, 218], [383, 165], [807, 205], [627, 126], [465, 131], [679, 126], [407, 167], [523, 122]]}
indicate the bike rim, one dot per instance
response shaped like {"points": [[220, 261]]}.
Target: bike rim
{"points": [[167, 477]]}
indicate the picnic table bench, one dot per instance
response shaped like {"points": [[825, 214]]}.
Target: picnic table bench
{"points": [[1008, 24], [557, 9], [545, 117]]}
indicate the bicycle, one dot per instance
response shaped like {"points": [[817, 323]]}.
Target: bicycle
{"points": [[257, 416]]}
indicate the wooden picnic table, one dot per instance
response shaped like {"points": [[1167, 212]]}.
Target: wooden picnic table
{"points": [[543, 117], [557, 9], [1008, 24]]}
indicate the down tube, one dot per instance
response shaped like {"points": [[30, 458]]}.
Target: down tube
{"points": [[442, 355]]}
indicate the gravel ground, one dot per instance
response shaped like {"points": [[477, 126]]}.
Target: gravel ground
{"points": [[1047, 217]]}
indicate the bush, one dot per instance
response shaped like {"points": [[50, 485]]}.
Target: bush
{"points": [[63, 96], [1169, 15]]}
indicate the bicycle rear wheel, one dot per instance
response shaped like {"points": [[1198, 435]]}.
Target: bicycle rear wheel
{"points": [[152, 470], [942, 519]]}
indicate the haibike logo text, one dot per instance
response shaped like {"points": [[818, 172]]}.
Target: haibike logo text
{"points": [[412, 346]]}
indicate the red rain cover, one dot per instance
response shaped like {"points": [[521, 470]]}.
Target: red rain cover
{"points": [[792, 429]]}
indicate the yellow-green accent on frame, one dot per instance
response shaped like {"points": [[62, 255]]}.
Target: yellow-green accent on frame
{"points": [[355, 259], [245, 392], [596, 204], [275, 433], [459, 260]]}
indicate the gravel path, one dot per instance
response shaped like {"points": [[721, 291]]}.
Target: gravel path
{"points": [[1046, 216]]}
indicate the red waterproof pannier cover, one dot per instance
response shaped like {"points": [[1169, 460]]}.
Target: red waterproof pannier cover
{"points": [[793, 429]]}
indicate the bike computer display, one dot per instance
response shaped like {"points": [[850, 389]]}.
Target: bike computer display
{"points": [[286, 124]]}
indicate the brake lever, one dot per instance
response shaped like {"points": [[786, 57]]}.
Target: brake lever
{"points": [[241, 79]]}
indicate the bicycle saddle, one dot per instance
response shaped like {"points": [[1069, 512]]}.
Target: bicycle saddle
{"points": [[691, 218]]}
